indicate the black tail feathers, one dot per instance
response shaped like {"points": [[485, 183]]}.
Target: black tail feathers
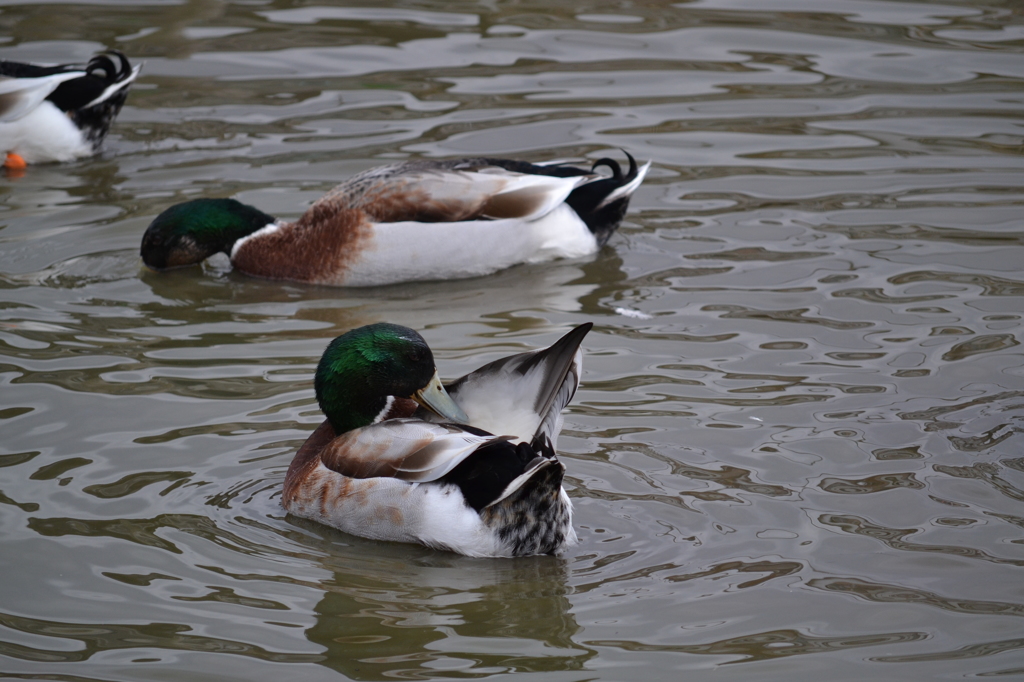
{"points": [[101, 72], [95, 99], [602, 204], [104, 67]]}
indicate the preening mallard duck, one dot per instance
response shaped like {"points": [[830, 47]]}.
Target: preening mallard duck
{"points": [[418, 220], [60, 113], [470, 469]]}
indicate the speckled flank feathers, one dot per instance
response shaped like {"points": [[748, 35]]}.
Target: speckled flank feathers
{"points": [[536, 518]]}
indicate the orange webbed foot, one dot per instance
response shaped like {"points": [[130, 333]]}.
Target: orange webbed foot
{"points": [[14, 162], [14, 165]]}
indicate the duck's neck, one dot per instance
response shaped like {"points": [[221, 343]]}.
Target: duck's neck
{"points": [[347, 412], [345, 393]]}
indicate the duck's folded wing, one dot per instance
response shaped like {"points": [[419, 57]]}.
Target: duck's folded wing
{"points": [[446, 192], [407, 449], [19, 96], [524, 394]]}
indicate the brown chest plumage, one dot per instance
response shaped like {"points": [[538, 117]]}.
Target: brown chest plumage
{"points": [[317, 248]]}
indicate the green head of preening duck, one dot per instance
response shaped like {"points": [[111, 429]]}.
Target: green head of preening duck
{"points": [[189, 233], [363, 371]]}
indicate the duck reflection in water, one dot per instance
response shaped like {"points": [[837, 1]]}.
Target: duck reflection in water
{"points": [[508, 301], [402, 612]]}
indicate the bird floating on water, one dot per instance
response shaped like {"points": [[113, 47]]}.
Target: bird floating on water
{"points": [[470, 468], [63, 112], [416, 220]]}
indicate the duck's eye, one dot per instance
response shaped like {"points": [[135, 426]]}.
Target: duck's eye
{"points": [[416, 355]]}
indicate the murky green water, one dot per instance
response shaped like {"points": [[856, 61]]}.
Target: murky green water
{"points": [[797, 450]]}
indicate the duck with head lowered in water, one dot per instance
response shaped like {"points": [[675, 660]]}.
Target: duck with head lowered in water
{"points": [[416, 220], [470, 468]]}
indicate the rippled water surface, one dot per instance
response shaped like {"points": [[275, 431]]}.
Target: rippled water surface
{"points": [[796, 453]]}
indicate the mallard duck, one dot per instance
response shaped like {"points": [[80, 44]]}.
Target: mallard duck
{"points": [[418, 220], [470, 468], [60, 113]]}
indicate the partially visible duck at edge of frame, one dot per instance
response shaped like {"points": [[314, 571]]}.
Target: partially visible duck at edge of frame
{"points": [[63, 112]]}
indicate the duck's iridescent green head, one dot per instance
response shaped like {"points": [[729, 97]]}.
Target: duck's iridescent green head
{"points": [[191, 232], [362, 369]]}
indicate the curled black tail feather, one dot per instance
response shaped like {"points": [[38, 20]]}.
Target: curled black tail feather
{"points": [[101, 72], [92, 101], [589, 200], [615, 168]]}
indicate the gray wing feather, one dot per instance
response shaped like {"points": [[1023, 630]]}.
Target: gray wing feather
{"points": [[545, 379], [19, 96], [408, 449]]}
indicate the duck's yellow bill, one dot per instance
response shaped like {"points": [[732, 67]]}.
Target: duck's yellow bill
{"points": [[436, 399]]}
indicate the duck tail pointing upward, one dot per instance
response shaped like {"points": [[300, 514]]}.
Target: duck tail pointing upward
{"points": [[107, 74], [602, 204], [95, 99]]}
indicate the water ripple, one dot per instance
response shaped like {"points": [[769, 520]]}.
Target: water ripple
{"points": [[800, 416]]}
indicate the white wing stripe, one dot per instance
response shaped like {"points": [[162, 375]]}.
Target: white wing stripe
{"points": [[627, 189], [114, 88]]}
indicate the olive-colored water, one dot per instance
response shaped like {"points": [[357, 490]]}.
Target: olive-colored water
{"points": [[797, 450]]}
